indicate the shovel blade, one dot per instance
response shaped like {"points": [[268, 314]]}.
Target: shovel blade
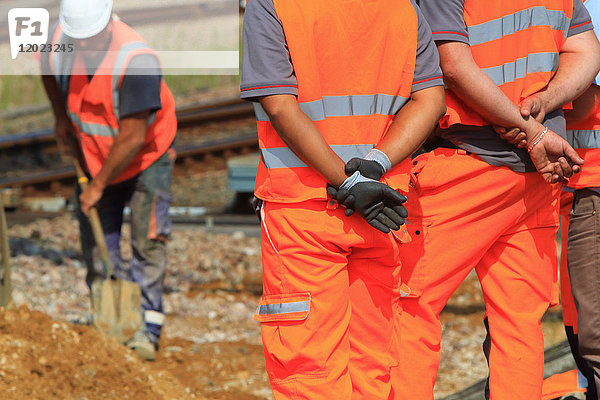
{"points": [[116, 308]]}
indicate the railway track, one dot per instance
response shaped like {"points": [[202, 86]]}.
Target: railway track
{"points": [[190, 116], [187, 157], [42, 145]]}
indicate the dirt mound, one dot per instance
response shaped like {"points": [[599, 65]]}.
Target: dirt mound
{"points": [[45, 359]]}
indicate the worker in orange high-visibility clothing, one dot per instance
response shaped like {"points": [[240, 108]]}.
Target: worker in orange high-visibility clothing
{"points": [[573, 382], [107, 90], [478, 201], [332, 81], [580, 260], [583, 252]]}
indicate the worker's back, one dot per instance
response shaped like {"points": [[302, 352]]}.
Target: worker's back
{"points": [[354, 63]]}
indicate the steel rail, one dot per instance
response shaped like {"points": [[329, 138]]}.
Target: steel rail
{"points": [[188, 116], [239, 142]]}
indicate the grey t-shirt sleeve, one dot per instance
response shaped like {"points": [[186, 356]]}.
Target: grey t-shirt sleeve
{"points": [[266, 65], [140, 87], [446, 19], [427, 65], [581, 20]]}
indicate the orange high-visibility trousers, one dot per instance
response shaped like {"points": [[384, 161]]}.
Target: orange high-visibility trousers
{"points": [[330, 307], [558, 385], [465, 214], [571, 381]]}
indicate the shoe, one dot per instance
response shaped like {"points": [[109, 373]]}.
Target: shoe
{"points": [[145, 349]]}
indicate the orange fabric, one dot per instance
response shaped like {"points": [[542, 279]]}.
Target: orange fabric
{"points": [[559, 385], [367, 61], [341, 340], [92, 103], [471, 215], [590, 172], [566, 297], [494, 53]]}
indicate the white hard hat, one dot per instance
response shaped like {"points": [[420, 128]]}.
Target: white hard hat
{"points": [[82, 19]]}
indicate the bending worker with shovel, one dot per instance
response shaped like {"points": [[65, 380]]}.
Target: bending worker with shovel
{"points": [[109, 92]]}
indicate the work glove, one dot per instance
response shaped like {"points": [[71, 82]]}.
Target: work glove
{"points": [[374, 165], [380, 205], [367, 168], [256, 206]]}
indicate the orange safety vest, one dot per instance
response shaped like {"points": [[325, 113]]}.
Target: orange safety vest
{"points": [[354, 62], [93, 106], [584, 136], [516, 43]]}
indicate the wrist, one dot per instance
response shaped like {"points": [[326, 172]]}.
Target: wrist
{"points": [[354, 179], [533, 129], [380, 158], [97, 185], [536, 140]]}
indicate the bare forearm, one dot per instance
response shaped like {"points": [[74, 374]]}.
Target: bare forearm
{"points": [[467, 81], [125, 146], [413, 124], [302, 136], [579, 64]]}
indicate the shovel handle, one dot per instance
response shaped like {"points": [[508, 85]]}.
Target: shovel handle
{"points": [[93, 216], [5, 284]]}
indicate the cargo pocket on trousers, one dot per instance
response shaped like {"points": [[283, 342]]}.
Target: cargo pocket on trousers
{"points": [[291, 342], [412, 257], [160, 221]]}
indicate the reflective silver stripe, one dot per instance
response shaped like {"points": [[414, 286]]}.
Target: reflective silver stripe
{"points": [[510, 72], [345, 106], [284, 308], [521, 20], [93, 129], [584, 139], [118, 68], [154, 317], [260, 113], [283, 157]]}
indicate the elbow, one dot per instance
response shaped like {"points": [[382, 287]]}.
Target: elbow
{"points": [[278, 107], [451, 77], [275, 113]]}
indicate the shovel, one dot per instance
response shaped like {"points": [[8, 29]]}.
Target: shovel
{"points": [[116, 303], [5, 283]]}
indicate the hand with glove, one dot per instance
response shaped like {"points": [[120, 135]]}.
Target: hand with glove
{"points": [[256, 204], [373, 166], [380, 205]]}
